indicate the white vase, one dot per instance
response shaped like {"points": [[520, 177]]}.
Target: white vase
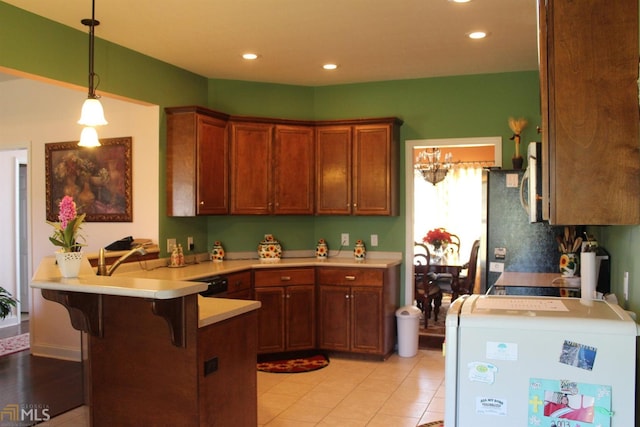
{"points": [[69, 263]]}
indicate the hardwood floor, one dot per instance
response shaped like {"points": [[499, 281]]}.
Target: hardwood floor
{"points": [[29, 380]]}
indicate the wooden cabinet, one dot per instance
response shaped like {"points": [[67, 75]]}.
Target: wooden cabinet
{"points": [[239, 285], [356, 309], [286, 320], [357, 167], [197, 162], [589, 98], [272, 169]]}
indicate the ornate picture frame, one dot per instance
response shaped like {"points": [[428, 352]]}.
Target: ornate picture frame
{"points": [[98, 179]]}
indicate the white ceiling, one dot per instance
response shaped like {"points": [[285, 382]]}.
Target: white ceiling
{"points": [[370, 40]]}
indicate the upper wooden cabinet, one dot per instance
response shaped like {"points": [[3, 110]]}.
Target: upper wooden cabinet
{"points": [[589, 97], [272, 169], [357, 167], [219, 164], [197, 162]]}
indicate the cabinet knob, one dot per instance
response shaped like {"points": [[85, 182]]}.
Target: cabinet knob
{"points": [[201, 202], [349, 277], [347, 296], [285, 278]]}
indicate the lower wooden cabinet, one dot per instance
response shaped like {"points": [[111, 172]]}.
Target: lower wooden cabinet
{"points": [[239, 285], [286, 320], [356, 309]]}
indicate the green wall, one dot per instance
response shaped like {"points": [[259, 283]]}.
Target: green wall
{"points": [[463, 106], [448, 107]]}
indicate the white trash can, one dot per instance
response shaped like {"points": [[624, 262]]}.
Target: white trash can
{"points": [[408, 319]]}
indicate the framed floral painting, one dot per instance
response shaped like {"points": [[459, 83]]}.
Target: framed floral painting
{"points": [[98, 179]]}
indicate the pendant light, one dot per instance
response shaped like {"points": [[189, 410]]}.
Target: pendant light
{"points": [[92, 113]]}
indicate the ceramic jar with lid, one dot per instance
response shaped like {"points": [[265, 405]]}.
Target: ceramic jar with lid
{"points": [[269, 249], [359, 251], [217, 253], [322, 251]]}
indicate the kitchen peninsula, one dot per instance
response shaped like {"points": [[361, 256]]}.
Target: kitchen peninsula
{"points": [[157, 353]]}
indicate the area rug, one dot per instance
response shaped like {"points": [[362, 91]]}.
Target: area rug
{"points": [[294, 365], [433, 424], [14, 344]]}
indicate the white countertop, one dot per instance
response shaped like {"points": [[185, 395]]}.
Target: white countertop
{"points": [[214, 310], [210, 268], [47, 276]]}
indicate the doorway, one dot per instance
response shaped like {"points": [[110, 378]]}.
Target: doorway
{"points": [[22, 267], [410, 190]]}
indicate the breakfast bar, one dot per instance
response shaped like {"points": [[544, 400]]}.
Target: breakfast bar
{"points": [[156, 352]]}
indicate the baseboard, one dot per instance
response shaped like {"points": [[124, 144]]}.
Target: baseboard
{"points": [[63, 353]]}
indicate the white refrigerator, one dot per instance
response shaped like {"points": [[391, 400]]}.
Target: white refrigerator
{"points": [[539, 361]]}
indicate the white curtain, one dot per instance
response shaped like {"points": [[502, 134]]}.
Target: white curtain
{"points": [[455, 204]]}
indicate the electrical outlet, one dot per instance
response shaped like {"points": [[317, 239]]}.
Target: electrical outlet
{"points": [[344, 239], [170, 244], [374, 240], [190, 244]]}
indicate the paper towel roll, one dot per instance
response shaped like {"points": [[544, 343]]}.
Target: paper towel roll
{"points": [[587, 275]]}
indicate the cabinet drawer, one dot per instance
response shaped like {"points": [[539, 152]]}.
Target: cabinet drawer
{"points": [[239, 281], [351, 276], [283, 277]]}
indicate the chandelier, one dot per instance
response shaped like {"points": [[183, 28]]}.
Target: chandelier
{"points": [[429, 165], [92, 114]]}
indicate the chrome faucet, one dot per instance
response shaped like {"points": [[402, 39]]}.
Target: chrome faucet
{"points": [[102, 267]]}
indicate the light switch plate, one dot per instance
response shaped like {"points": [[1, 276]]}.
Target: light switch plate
{"points": [[512, 180]]}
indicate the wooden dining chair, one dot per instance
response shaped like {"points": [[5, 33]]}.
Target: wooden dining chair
{"points": [[428, 294], [454, 246], [467, 281]]}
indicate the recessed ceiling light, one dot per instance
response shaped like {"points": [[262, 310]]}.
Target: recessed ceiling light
{"points": [[330, 66], [459, 1], [250, 56], [477, 35]]}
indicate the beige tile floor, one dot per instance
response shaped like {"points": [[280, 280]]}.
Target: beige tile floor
{"points": [[348, 393]]}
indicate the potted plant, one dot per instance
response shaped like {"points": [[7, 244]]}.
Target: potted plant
{"points": [[516, 126], [7, 302], [65, 235]]}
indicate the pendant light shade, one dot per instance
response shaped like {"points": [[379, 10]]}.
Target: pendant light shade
{"points": [[92, 113], [89, 137]]}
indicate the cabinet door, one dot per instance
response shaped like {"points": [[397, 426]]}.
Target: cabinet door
{"points": [[251, 165], [334, 312], [271, 319], [300, 317], [592, 124], [294, 170], [213, 154], [366, 319], [375, 170], [333, 174], [197, 162]]}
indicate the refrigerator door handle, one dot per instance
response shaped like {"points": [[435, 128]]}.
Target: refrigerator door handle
{"points": [[523, 200]]}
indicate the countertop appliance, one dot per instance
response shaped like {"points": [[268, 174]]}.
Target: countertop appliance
{"points": [[217, 286], [539, 361], [510, 242]]}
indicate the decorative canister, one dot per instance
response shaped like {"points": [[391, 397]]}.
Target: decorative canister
{"points": [[322, 251], [568, 264], [69, 263], [217, 253], [269, 250], [359, 252]]}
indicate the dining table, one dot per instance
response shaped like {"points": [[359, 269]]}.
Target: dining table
{"points": [[448, 263]]}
